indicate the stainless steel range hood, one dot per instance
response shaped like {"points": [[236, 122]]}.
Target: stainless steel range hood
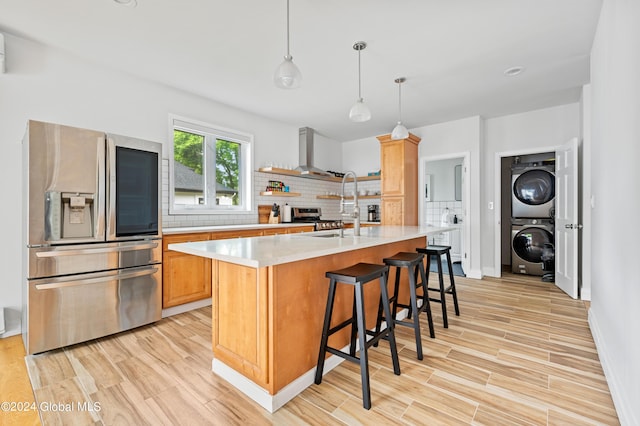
{"points": [[306, 166]]}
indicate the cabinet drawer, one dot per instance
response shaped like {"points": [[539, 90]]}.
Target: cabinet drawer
{"points": [[184, 238]]}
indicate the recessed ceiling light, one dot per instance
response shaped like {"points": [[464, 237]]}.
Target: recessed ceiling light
{"points": [[130, 3], [513, 71]]}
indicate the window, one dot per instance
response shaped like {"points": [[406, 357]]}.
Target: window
{"points": [[210, 169]]}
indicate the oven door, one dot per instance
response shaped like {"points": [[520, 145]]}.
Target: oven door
{"points": [[134, 187]]}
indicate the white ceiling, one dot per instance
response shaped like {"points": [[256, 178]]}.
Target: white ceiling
{"points": [[452, 52]]}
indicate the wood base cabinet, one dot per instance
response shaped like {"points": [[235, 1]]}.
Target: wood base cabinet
{"points": [[399, 180], [186, 278]]}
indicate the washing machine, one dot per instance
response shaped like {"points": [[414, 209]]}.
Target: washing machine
{"points": [[533, 190], [528, 238]]}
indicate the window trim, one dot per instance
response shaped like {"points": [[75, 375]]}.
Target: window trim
{"points": [[245, 168]]}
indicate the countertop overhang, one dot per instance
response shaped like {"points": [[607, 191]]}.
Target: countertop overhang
{"points": [[272, 250]]}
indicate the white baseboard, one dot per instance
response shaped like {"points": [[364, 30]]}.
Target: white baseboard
{"points": [[257, 393], [174, 310], [623, 406], [2, 328], [475, 274]]}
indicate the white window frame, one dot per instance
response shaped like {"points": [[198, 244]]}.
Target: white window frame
{"points": [[245, 168]]}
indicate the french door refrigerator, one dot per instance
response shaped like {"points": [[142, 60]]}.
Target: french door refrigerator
{"points": [[92, 258]]}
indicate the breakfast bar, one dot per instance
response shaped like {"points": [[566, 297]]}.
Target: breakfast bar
{"points": [[268, 297]]}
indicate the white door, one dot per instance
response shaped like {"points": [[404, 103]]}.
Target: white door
{"points": [[566, 219]]}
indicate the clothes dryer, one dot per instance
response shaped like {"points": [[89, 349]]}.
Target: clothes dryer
{"points": [[528, 238], [532, 190]]}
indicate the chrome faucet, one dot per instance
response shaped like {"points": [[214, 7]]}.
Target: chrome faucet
{"points": [[355, 214]]}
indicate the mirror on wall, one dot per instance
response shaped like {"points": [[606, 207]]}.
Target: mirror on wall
{"points": [[443, 180]]}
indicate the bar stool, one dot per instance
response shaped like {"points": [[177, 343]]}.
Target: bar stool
{"points": [[451, 289], [357, 275], [414, 265]]}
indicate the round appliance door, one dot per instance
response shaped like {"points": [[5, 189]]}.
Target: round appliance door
{"points": [[535, 187], [528, 243]]}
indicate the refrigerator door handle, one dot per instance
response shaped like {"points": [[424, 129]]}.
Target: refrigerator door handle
{"points": [[119, 249], [118, 276]]}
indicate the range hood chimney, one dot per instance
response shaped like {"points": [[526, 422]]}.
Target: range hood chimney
{"points": [[306, 167]]}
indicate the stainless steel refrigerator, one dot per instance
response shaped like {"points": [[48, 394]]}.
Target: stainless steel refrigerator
{"points": [[92, 256]]}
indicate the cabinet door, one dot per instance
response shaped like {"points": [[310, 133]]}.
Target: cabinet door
{"points": [[223, 235], [393, 211], [392, 166], [185, 279], [299, 229]]}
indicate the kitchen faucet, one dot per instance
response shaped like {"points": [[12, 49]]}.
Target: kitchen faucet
{"points": [[355, 214]]}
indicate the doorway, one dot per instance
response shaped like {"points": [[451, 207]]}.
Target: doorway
{"points": [[566, 216], [444, 201]]}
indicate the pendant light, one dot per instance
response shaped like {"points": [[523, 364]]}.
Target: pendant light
{"points": [[399, 132], [287, 74], [359, 111]]}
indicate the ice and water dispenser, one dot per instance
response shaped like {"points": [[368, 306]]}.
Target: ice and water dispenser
{"points": [[69, 215]]}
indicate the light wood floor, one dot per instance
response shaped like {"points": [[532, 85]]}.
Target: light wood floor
{"points": [[521, 353]]}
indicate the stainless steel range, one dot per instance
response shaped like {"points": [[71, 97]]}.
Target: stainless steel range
{"points": [[312, 215]]}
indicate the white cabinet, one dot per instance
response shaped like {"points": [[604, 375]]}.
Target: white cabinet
{"points": [[452, 238]]}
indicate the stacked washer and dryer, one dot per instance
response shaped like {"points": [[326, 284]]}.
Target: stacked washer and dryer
{"points": [[532, 218]]}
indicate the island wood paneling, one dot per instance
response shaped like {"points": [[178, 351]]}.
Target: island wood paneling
{"points": [[267, 322]]}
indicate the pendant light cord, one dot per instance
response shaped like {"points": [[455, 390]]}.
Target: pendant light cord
{"points": [[288, 54], [400, 102], [359, 77]]}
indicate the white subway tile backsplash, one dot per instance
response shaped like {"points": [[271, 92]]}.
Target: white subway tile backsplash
{"points": [[308, 188]]}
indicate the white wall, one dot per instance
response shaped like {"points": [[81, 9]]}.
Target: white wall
{"points": [[530, 132], [50, 85], [615, 134]]}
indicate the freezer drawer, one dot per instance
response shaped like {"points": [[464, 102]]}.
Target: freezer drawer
{"points": [[85, 258], [67, 310]]}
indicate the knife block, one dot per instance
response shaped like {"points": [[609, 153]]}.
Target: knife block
{"points": [[274, 219]]}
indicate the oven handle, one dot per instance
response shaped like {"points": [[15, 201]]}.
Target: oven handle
{"points": [[119, 276], [118, 249]]}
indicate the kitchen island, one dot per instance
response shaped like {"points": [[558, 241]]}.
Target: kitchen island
{"points": [[269, 296]]}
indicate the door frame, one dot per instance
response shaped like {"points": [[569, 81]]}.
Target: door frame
{"points": [[466, 193], [497, 197]]}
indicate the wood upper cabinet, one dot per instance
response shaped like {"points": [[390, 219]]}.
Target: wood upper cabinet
{"points": [[399, 180], [185, 278]]}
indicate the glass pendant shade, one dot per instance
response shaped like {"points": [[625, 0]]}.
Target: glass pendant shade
{"points": [[359, 112], [287, 75], [399, 132]]}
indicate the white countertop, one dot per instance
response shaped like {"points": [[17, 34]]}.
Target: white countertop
{"points": [[277, 249], [213, 228]]}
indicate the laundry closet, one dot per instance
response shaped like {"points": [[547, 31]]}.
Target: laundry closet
{"points": [[528, 210]]}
